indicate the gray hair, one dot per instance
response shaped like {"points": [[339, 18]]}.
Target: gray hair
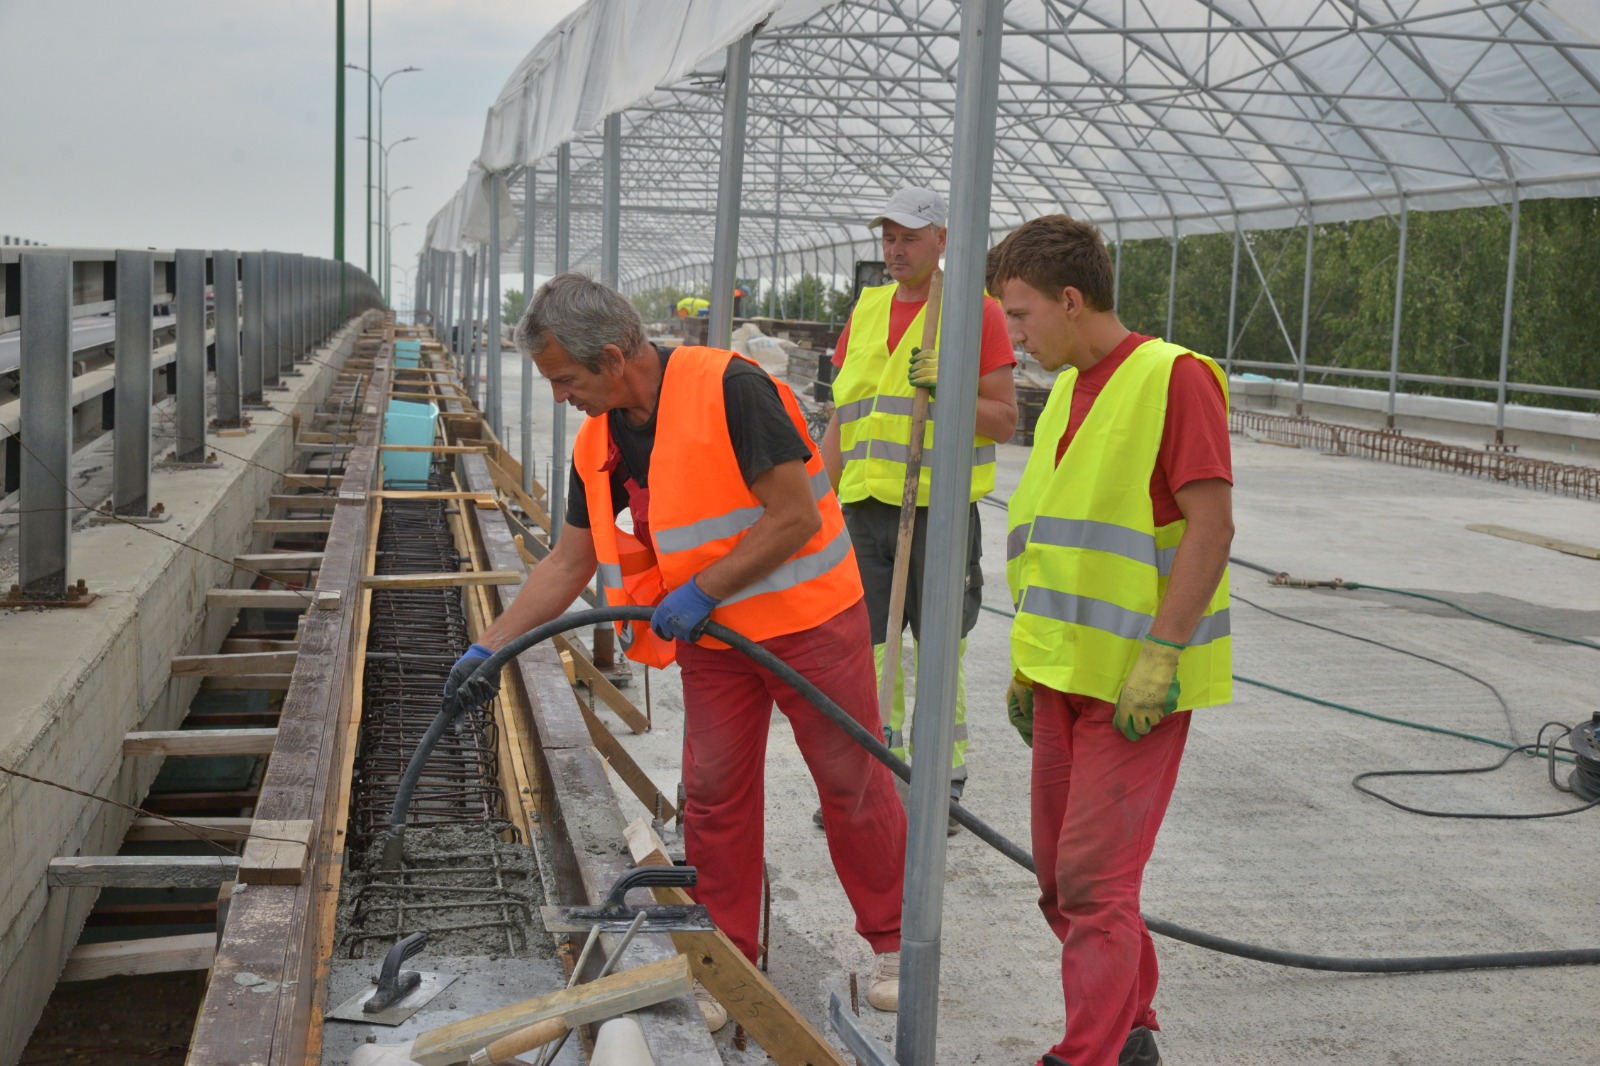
{"points": [[583, 316]]}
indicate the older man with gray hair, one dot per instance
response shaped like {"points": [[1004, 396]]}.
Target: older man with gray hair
{"points": [[695, 490]]}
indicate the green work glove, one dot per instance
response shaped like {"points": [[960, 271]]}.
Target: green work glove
{"points": [[1151, 691], [924, 370], [1019, 707]]}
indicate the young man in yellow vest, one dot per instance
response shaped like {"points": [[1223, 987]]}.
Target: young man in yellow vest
{"points": [[1117, 556], [729, 518], [869, 436]]}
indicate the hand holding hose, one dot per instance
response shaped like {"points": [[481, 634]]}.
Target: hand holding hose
{"points": [[683, 614], [1151, 691], [485, 689]]}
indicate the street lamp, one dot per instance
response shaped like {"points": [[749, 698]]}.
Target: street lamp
{"points": [[405, 279], [388, 213], [380, 83], [383, 184]]}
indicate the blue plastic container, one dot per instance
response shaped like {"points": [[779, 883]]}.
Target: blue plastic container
{"points": [[408, 423], [407, 354]]}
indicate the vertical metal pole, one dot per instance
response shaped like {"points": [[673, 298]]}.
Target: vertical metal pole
{"points": [[1172, 283], [611, 203], [558, 418], [1116, 269], [933, 726], [46, 430], [1233, 299], [1505, 318], [777, 218], [1305, 314], [530, 191], [1399, 305], [449, 301], [302, 315], [255, 351], [130, 437], [225, 285], [285, 285], [492, 307], [480, 317], [189, 301], [270, 374], [468, 286], [370, 79], [730, 181]]}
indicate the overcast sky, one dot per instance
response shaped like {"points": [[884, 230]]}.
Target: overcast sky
{"points": [[210, 123]]}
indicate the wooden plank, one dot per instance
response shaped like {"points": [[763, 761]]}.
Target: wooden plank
{"points": [[190, 742], [623, 763], [140, 871], [280, 560], [125, 958], [225, 830], [275, 854], [437, 449], [607, 997], [1567, 547], [751, 999], [267, 599], [292, 525], [438, 581], [428, 494], [247, 683], [601, 685], [231, 665]]}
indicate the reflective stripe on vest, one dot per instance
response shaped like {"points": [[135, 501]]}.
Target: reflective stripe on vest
{"points": [[728, 524], [1086, 564], [873, 404]]}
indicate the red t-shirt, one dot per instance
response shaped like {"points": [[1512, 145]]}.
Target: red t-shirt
{"points": [[1194, 442], [995, 351]]}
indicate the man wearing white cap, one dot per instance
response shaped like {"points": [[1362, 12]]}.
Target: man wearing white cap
{"points": [[879, 365]]}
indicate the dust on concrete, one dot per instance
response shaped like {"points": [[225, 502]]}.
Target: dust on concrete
{"points": [[469, 888]]}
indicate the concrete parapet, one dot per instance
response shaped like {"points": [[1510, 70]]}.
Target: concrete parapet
{"points": [[77, 680]]}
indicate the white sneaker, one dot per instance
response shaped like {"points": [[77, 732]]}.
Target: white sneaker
{"points": [[883, 982], [714, 1013]]}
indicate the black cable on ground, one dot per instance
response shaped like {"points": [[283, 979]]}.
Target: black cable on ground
{"points": [[478, 683]]}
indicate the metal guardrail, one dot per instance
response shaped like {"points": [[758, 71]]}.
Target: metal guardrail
{"points": [[269, 309]]}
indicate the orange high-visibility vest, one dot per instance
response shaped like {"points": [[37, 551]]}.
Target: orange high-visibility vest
{"points": [[700, 508]]}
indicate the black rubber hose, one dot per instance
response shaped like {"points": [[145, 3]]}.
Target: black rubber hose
{"points": [[492, 666]]}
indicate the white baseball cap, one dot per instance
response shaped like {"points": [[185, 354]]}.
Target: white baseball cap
{"points": [[914, 208]]}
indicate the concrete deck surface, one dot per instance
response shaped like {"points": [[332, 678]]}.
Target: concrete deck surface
{"points": [[1266, 841]]}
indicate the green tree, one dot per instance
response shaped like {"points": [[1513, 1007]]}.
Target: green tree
{"points": [[511, 306]]}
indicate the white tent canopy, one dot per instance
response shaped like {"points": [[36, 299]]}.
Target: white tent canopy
{"points": [[1150, 117]]}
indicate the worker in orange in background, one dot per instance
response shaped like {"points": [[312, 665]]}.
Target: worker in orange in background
{"points": [[1117, 560], [730, 519]]}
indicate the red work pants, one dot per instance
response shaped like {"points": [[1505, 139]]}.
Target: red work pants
{"points": [[727, 702], [1098, 800]]}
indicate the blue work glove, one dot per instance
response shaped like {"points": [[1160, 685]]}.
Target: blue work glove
{"points": [[924, 370], [470, 660], [683, 614]]}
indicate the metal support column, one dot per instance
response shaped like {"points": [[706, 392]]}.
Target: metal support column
{"points": [[730, 181], [944, 578], [271, 362], [1233, 300], [250, 351], [296, 280], [777, 218], [480, 316], [530, 190], [1305, 314], [1172, 283], [130, 436], [449, 295], [189, 302], [464, 331], [558, 418], [1116, 270], [1399, 305], [492, 307], [46, 430], [611, 202], [1505, 318], [225, 286]]}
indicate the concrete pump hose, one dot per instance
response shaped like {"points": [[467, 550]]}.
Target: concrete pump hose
{"points": [[492, 666]]}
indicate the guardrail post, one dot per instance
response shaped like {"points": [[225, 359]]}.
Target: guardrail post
{"points": [[297, 306], [225, 284], [270, 374], [286, 348], [46, 430], [251, 348], [189, 301], [130, 431]]}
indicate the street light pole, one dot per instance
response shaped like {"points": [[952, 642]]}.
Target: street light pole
{"points": [[383, 185], [388, 250], [373, 80]]}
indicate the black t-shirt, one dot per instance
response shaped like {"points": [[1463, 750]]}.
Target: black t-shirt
{"points": [[758, 427]]}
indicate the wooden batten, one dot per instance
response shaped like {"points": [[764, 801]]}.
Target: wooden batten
{"points": [[198, 742], [125, 958]]}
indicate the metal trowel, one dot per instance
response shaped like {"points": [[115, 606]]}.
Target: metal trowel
{"points": [[615, 916], [399, 993]]}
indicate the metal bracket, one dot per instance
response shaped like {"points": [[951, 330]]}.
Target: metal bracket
{"points": [[864, 1047], [76, 596]]}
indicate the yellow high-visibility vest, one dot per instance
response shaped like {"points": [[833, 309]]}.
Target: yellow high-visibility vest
{"points": [[872, 400], [1086, 563]]}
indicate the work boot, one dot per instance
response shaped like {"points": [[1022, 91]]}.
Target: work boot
{"points": [[1140, 1049], [883, 982], [714, 1013]]}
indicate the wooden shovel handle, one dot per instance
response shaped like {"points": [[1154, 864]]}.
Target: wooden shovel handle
{"points": [[908, 507], [526, 1039]]}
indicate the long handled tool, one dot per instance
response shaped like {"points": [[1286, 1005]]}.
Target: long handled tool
{"points": [[908, 507]]}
